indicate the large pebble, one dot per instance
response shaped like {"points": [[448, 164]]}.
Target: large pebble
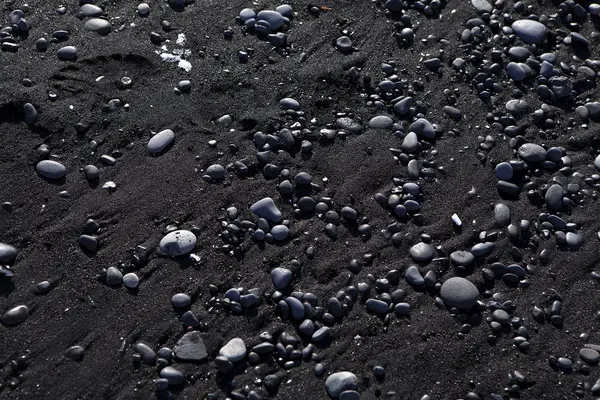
{"points": [[266, 208], [98, 25], [459, 292], [67, 53], [160, 141], [281, 277], [274, 18], [50, 169], [422, 252], [178, 243], [532, 152], [529, 31], [191, 347], [174, 376], [7, 253], [234, 350], [340, 382], [15, 315]]}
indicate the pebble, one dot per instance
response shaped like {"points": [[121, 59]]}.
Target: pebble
{"points": [[91, 172], [174, 376], [553, 197], [88, 243], [275, 20], [90, 10], [181, 300], [98, 25], [590, 356], [234, 350], [532, 152], [190, 347], [266, 208], [344, 44], [413, 276], [504, 171], [143, 10], [131, 280], [7, 253], [148, 355], [51, 169], [422, 252], [529, 31], [75, 353], [67, 53], [502, 214], [289, 104], [459, 292], [350, 395], [377, 306], [178, 243], [281, 277], [15, 315], [320, 334], [114, 277], [160, 141], [339, 382], [280, 232], [382, 122], [30, 114]]}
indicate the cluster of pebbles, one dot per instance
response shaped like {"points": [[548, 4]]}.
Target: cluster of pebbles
{"points": [[502, 53]]}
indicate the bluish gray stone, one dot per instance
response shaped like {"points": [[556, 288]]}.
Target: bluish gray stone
{"points": [[553, 197], [344, 44], [281, 277], [320, 334], [266, 208], [288, 103], [286, 10], [459, 292], [402, 309], [181, 300], [410, 143], [174, 376], [403, 106], [423, 127], [296, 308], [7, 253], [131, 280], [515, 71], [178, 243], [246, 14], [482, 249], [504, 171], [280, 232], [160, 141], [422, 252], [67, 53], [339, 382], [147, 354], [377, 306], [15, 315], [274, 19], [413, 276], [349, 125], [529, 31], [50, 169]]}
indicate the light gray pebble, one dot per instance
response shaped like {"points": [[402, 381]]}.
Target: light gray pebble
{"points": [[181, 300], [114, 277], [459, 292], [50, 169], [160, 141], [422, 252], [131, 280], [7, 253], [413, 276], [339, 382], [266, 208], [178, 243], [234, 350], [98, 25]]}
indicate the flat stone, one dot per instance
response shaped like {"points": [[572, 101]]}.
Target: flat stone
{"points": [[15, 315], [590, 356], [422, 252], [266, 208], [381, 122], [7, 253], [178, 243], [190, 347], [532, 152], [98, 25], [462, 257], [339, 382], [51, 169], [234, 350], [459, 292], [529, 31], [160, 141]]}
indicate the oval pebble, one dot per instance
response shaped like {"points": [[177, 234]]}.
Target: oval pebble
{"points": [[339, 382], [160, 141], [15, 315], [7, 253], [459, 292], [67, 53], [98, 25], [178, 243], [51, 169], [234, 350]]}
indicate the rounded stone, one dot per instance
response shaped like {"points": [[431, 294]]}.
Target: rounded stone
{"points": [[381, 122], [160, 141], [15, 315], [280, 232], [422, 252], [7, 253], [174, 376], [67, 53], [91, 172], [339, 382], [529, 31], [532, 152], [266, 208], [131, 280], [90, 10], [504, 171], [459, 292], [289, 104], [234, 350], [74, 353], [590, 356], [98, 25], [114, 277], [178, 243], [51, 169], [181, 300], [274, 18]]}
